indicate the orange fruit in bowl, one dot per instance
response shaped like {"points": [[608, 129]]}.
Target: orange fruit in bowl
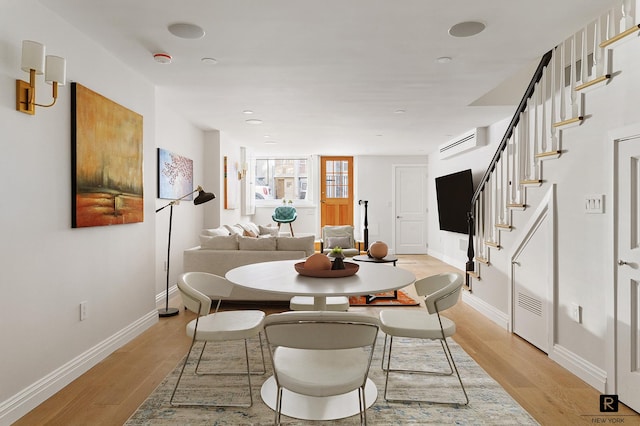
{"points": [[317, 262]]}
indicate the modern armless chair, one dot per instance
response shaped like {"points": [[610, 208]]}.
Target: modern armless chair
{"points": [[321, 353], [216, 327], [440, 293], [285, 214]]}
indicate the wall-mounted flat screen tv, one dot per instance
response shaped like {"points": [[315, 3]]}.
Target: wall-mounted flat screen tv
{"points": [[454, 193]]}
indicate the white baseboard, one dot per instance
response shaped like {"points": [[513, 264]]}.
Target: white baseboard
{"points": [[582, 368], [455, 262], [577, 365], [32, 396], [160, 296], [486, 309]]}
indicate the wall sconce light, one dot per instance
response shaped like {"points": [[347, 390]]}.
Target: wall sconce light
{"points": [[242, 172], [54, 69]]}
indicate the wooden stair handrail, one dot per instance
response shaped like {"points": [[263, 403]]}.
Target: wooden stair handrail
{"points": [[512, 125], [537, 75]]}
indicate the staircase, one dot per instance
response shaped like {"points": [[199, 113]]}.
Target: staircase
{"points": [[554, 101]]}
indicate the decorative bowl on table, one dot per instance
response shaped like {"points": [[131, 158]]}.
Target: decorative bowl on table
{"points": [[349, 269]]}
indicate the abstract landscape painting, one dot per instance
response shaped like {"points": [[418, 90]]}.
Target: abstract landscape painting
{"points": [[106, 161]]}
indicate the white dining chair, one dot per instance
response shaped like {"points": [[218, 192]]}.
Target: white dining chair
{"points": [[196, 289], [321, 353], [440, 292]]}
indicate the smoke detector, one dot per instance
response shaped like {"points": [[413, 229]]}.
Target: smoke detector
{"points": [[162, 58]]}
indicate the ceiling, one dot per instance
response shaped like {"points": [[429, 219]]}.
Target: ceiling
{"points": [[335, 77]]}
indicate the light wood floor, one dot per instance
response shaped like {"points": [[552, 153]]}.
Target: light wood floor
{"points": [[111, 391]]}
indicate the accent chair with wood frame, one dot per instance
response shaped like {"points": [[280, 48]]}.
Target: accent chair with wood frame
{"points": [[339, 236]]}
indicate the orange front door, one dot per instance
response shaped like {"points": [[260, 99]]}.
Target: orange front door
{"points": [[336, 191]]}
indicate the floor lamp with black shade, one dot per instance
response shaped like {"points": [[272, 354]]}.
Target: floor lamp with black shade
{"points": [[202, 198]]}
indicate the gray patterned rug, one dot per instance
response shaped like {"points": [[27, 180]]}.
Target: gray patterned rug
{"points": [[489, 402]]}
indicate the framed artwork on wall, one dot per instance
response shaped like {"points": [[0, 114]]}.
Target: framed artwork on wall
{"points": [[175, 175], [230, 184], [106, 161]]}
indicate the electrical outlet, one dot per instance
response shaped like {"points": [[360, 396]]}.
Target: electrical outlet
{"points": [[83, 310], [576, 312]]}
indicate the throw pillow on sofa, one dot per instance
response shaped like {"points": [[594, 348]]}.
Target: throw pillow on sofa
{"points": [[262, 244], [249, 227], [216, 232], [342, 242], [229, 242], [234, 230], [305, 244], [268, 230]]}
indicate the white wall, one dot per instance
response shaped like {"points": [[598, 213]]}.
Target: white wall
{"points": [[47, 267], [182, 138], [374, 183], [446, 245]]}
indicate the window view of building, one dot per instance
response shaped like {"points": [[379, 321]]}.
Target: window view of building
{"points": [[281, 179]]}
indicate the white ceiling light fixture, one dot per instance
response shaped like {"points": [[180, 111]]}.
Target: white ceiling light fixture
{"points": [[253, 121], [209, 61], [467, 29], [187, 31], [162, 58], [444, 59], [247, 111]]}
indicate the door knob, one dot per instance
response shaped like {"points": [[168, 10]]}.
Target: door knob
{"points": [[622, 262]]}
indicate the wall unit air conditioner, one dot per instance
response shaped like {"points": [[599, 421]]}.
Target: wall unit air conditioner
{"points": [[465, 142]]}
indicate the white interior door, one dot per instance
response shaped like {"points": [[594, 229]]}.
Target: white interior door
{"points": [[410, 206], [530, 282], [628, 276]]}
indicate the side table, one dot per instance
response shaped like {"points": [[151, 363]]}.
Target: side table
{"points": [[387, 259]]}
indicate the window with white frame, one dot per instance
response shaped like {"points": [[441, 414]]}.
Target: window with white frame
{"points": [[281, 179]]}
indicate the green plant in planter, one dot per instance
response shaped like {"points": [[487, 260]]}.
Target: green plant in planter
{"points": [[336, 252], [337, 255]]}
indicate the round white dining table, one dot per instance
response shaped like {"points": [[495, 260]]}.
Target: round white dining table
{"points": [[281, 277]]}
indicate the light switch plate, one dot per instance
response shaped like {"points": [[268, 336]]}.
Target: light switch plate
{"points": [[594, 204]]}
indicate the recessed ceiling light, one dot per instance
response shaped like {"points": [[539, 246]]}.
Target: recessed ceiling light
{"points": [[400, 111], [443, 59], [247, 111], [253, 121], [270, 142], [467, 29], [267, 136], [183, 30], [209, 61]]}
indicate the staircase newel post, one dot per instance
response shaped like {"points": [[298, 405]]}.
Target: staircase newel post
{"points": [[469, 267]]}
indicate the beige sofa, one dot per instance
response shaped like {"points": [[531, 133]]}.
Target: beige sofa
{"points": [[218, 254]]}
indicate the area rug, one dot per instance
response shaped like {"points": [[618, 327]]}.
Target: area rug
{"points": [[384, 299], [489, 402]]}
